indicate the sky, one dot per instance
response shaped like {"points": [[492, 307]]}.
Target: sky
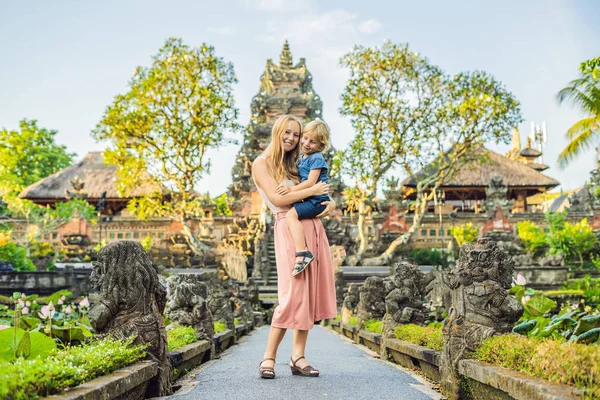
{"points": [[63, 62]]}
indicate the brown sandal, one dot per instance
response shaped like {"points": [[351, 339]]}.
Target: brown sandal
{"points": [[306, 371], [266, 372]]}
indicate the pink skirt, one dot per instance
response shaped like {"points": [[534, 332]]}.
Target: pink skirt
{"points": [[309, 296]]}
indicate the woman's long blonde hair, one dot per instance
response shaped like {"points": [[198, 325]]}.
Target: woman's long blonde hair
{"points": [[281, 163]]}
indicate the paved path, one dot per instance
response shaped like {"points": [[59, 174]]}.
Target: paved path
{"points": [[347, 372]]}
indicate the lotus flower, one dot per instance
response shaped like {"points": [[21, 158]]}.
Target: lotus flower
{"points": [[28, 304], [68, 309], [4, 327], [25, 310], [525, 299], [47, 312], [520, 280], [84, 303]]}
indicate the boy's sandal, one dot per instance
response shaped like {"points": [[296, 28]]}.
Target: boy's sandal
{"points": [[306, 371], [266, 372], [307, 258]]}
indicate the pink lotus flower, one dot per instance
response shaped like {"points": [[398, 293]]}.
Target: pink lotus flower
{"points": [[28, 304], [525, 299], [25, 310], [4, 327], [84, 303], [68, 309], [520, 280], [47, 312]]}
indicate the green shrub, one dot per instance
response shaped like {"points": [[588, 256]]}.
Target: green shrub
{"points": [[373, 325], [15, 255], [353, 321], [32, 379], [236, 321], [338, 317], [219, 327], [427, 336], [464, 233], [179, 336], [531, 235], [567, 363], [429, 257]]}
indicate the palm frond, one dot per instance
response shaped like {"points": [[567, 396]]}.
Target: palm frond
{"points": [[583, 125], [579, 144]]}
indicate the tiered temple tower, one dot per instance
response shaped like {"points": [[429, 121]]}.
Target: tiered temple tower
{"points": [[284, 89]]}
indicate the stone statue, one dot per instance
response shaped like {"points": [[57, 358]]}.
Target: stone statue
{"points": [[350, 302], [524, 259], [372, 299], [480, 307], [132, 301], [188, 306], [220, 299], [556, 260], [404, 303], [338, 253], [496, 194]]}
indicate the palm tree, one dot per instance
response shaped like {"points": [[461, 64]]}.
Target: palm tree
{"points": [[583, 92]]}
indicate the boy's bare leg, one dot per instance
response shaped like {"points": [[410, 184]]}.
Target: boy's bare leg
{"points": [[297, 231]]}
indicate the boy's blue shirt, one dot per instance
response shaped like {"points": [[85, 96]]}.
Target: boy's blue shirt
{"points": [[310, 162]]}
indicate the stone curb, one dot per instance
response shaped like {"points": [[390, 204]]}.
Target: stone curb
{"points": [[113, 385], [189, 356], [369, 339], [223, 340], [414, 350], [413, 356], [517, 384], [350, 331]]}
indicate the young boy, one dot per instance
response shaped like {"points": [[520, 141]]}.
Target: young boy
{"points": [[312, 168]]}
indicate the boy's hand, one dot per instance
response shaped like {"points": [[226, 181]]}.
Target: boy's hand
{"points": [[282, 190]]}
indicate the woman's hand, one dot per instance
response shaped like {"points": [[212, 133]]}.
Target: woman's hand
{"points": [[320, 189], [282, 190], [329, 207]]}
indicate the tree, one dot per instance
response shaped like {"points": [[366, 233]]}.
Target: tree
{"points": [[532, 236], [466, 233], [28, 155], [408, 114], [174, 112], [391, 92], [584, 93]]}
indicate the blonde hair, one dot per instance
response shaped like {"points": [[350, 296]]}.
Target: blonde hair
{"points": [[283, 163], [321, 131]]}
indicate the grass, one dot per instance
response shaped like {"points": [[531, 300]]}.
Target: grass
{"points": [[31, 379], [373, 325], [236, 321], [426, 336], [180, 336], [563, 292], [338, 317], [353, 321], [219, 327], [554, 360]]}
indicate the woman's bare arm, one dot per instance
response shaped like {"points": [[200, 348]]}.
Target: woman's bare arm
{"points": [[313, 176], [265, 181]]}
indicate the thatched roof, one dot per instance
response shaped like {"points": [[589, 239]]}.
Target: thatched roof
{"points": [[97, 177], [514, 173]]}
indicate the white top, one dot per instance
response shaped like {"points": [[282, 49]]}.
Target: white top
{"points": [[272, 207]]}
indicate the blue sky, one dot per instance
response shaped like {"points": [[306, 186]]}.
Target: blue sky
{"points": [[62, 62]]}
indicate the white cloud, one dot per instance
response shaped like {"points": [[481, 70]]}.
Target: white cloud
{"points": [[227, 30], [279, 5], [369, 26]]}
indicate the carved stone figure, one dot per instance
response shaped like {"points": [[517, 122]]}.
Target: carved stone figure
{"points": [[372, 299], [220, 299], [480, 307], [523, 259], [350, 302], [187, 304], [404, 303], [338, 253], [496, 194], [132, 301], [556, 260]]}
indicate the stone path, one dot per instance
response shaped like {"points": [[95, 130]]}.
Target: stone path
{"points": [[347, 372]]}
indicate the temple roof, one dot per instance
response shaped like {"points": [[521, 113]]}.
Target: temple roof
{"points": [[514, 173], [97, 177]]}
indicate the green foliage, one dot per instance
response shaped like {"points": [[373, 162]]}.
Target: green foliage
{"points": [[34, 378], [353, 321], [219, 326], [29, 345], [590, 287], [223, 204], [28, 155], [174, 112], [466, 233], [180, 336], [554, 360], [236, 321], [147, 243], [569, 239], [429, 257], [531, 235], [427, 336], [584, 93], [373, 325], [407, 113], [595, 261], [15, 254]]}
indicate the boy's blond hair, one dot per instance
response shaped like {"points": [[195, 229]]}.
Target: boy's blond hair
{"points": [[321, 131]]}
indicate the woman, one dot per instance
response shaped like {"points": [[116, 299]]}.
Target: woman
{"points": [[308, 297]]}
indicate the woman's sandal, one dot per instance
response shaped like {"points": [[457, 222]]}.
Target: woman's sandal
{"points": [[266, 372], [306, 371], [307, 258]]}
